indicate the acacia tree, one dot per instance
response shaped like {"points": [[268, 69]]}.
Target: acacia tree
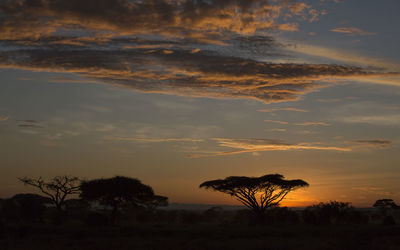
{"points": [[386, 203], [256, 193], [57, 188], [152, 202], [117, 191]]}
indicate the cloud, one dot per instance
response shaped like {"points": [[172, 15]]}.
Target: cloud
{"points": [[275, 121], [329, 100], [33, 19], [343, 56], [373, 190], [379, 120], [313, 124], [157, 140], [278, 129], [374, 143], [28, 124], [3, 118], [271, 110], [212, 49], [203, 74], [240, 146], [352, 31]]}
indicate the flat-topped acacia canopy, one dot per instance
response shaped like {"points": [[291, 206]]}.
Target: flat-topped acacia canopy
{"points": [[270, 189]]}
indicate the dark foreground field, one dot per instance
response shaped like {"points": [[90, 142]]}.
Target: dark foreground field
{"points": [[70, 236]]}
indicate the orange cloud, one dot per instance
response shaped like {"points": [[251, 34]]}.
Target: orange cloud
{"points": [[313, 124], [274, 121], [260, 145], [28, 19], [282, 109], [181, 72], [163, 46]]}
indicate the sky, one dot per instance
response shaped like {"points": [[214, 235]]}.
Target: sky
{"points": [[177, 92]]}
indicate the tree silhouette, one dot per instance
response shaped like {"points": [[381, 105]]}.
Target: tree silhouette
{"points": [[256, 193], [118, 191], [57, 189], [152, 202], [29, 207], [385, 203]]}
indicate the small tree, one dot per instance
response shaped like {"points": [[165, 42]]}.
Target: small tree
{"points": [[256, 193], [385, 203], [118, 191], [57, 189]]}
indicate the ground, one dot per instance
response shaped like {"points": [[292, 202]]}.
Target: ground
{"points": [[201, 236]]}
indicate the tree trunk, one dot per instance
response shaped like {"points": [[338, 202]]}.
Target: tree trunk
{"points": [[58, 216], [114, 214], [59, 207], [260, 217]]}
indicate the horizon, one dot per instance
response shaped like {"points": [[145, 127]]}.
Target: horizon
{"points": [[179, 92]]}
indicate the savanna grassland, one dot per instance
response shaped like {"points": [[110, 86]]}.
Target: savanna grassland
{"points": [[210, 229]]}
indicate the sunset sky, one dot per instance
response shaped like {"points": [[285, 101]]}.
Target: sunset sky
{"points": [[177, 92]]}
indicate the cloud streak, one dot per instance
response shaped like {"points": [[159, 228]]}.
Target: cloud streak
{"points": [[378, 143], [352, 31], [380, 120], [313, 124], [157, 140], [272, 110], [240, 146], [28, 124]]}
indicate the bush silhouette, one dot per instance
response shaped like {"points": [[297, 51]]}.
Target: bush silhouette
{"points": [[389, 220], [96, 219], [120, 191], [25, 208], [333, 212], [282, 215]]}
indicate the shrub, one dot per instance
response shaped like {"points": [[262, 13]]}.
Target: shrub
{"points": [[96, 219], [389, 221], [282, 215], [331, 213]]}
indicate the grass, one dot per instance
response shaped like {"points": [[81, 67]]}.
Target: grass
{"points": [[200, 236]]}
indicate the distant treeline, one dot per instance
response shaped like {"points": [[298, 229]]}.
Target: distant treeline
{"points": [[35, 209]]}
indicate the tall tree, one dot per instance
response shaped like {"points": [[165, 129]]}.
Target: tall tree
{"points": [[256, 193], [117, 191], [57, 188], [152, 202]]}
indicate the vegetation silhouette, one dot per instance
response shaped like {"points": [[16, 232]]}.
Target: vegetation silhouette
{"points": [[26, 220], [28, 208], [119, 191], [333, 212], [386, 203], [256, 193], [57, 189]]}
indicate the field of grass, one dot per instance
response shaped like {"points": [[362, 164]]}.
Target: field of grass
{"points": [[74, 235]]}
